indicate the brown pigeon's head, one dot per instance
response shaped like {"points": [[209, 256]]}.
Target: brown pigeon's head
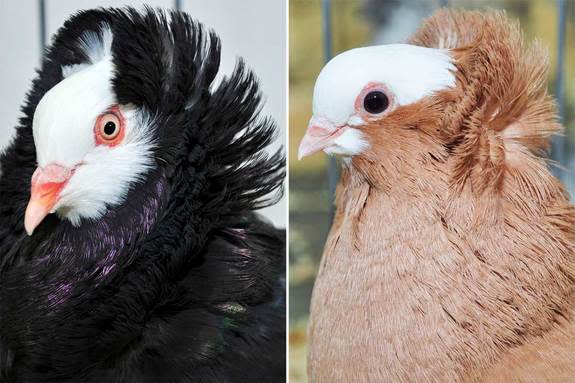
{"points": [[365, 94], [466, 95]]}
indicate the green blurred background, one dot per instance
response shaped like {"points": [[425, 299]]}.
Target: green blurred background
{"points": [[370, 22]]}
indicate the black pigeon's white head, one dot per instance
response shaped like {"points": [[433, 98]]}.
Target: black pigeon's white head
{"points": [[125, 114], [90, 148]]}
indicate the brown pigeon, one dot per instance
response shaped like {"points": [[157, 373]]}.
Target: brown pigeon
{"points": [[451, 257]]}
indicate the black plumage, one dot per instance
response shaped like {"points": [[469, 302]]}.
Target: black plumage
{"points": [[183, 282]]}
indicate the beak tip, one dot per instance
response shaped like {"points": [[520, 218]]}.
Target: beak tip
{"points": [[317, 138], [47, 183], [35, 214], [29, 227], [304, 151]]}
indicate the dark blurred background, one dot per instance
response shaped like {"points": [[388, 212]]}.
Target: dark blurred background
{"points": [[368, 22]]}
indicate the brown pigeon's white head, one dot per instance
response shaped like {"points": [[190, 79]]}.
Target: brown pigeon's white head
{"points": [[364, 85]]}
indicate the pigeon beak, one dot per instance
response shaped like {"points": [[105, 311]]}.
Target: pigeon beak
{"points": [[320, 134], [47, 183]]}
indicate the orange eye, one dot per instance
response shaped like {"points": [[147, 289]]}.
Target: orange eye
{"points": [[109, 129]]}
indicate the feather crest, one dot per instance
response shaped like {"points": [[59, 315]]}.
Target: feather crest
{"points": [[500, 114]]}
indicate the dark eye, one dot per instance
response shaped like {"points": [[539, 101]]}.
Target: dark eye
{"points": [[375, 102], [110, 129]]}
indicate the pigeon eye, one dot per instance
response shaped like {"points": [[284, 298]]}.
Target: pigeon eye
{"points": [[375, 102], [109, 129]]}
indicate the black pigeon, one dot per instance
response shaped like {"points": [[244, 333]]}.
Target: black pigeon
{"points": [[153, 267]]}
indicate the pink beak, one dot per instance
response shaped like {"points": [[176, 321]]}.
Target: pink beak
{"points": [[47, 183], [320, 134]]}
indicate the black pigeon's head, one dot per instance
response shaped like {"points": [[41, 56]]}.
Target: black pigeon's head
{"points": [[123, 96]]}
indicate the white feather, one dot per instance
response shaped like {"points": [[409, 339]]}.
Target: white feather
{"points": [[68, 70], [410, 72], [349, 143], [97, 46], [64, 119]]}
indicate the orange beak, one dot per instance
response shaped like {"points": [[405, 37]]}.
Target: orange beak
{"points": [[47, 183], [320, 134]]}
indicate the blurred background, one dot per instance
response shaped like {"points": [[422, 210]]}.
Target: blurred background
{"points": [[253, 29], [369, 22]]}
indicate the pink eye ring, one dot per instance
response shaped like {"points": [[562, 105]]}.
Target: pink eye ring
{"points": [[109, 128], [373, 101]]}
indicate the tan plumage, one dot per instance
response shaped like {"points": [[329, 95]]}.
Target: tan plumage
{"points": [[452, 254]]}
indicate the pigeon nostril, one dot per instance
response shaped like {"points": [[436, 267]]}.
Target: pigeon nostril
{"points": [[52, 174], [318, 131]]}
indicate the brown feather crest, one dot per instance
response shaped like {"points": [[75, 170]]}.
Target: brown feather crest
{"points": [[501, 106]]}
